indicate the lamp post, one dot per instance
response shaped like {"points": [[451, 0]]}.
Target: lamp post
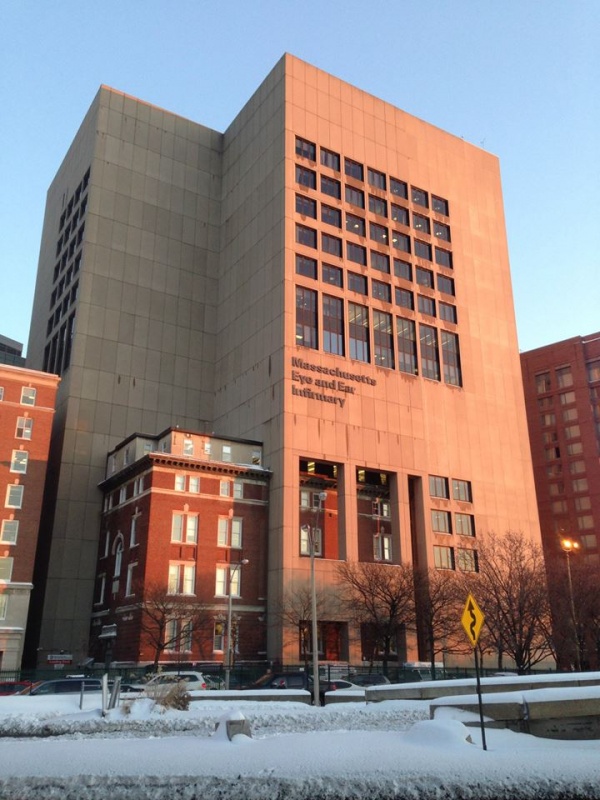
{"points": [[569, 546], [233, 568], [313, 598]]}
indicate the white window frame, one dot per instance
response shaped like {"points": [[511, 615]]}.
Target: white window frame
{"points": [[224, 488], [182, 578], [235, 532], [177, 526], [194, 484], [24, 428], [305, 534], [15, 502], [238, 490], [133, 542], [19, 461], [382, 547], [6, 568], [226, 453], [179, 482], [138, 485], [191, 529], [122, 494], [225, 583], [305, 498], [5, 537], [129, 582], [188, 446], [28, 395], [118, 548], [3, 605], [218, 637]]}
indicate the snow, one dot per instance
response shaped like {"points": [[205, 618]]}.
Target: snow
{"points": [[52, 749]]}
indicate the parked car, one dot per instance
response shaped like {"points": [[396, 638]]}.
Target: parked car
{"points": [[67, 686], [214, 682], [300, 680], [14, 687], [193, 681], [371, 679]]}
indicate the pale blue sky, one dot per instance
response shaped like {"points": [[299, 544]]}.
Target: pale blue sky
{"points": [[520, 78]]}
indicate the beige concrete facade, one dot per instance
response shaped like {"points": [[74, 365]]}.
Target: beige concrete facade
{"points": [[188, 313]]}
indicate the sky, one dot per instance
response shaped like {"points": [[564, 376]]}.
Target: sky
{"points": [[346, 750], [519, 78]]}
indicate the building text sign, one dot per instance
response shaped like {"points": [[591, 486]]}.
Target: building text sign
{"points": [[326, 384]]}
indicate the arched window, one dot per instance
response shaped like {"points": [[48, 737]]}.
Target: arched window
{"points": [[118, 554]]}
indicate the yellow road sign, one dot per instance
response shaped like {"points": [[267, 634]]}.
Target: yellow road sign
{"points": [[472, 619]]}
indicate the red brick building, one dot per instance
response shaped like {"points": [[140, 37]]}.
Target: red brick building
{"points": [[27, 401], [181, 512], [562, 396]]}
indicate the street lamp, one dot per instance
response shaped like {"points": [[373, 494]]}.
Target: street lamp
{"points": [[322, 496], [233, 568], [569, 546]]}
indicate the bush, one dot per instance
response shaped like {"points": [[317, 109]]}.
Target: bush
{"points": [[173, 696]]}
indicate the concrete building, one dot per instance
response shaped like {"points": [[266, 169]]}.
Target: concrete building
{"points": [[10, 352], [184, 523], [562, 397], [328, 277], [26, 410]]}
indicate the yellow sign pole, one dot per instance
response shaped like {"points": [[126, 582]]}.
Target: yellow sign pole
{"points": [[472, 621]]}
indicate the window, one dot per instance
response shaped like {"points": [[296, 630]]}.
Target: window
{"points": [[356, 253], [556, 488], [584, 523], [440, 521], [9, 531], [399, 188], [229, 532], [331, 187], [378, 233], [191, 529], [331, 245], [545, 402], [572, 431], [238, 490], [438, 487], [306, 236], [593, 371], [3, 606], [430, 357], [188, 446], [575, 449], [580, 485], [445, 285], [194, 484], [358, 329], [306, 149], [461, 491], [419, 197], [588, 540], [547, 419], [426, 305], [122, 494], [177, 527], [182, 578], [224, 488], [406, 338], [355, 197], [133, 529], [441, 231], [380, 262], [357, 283], [564, 377], [451, 359], [443, 258], [447, 312], [577, 467], [14, 496], [306, 318], [305, 540], [382, 546], [28, 394], [332, 275], [566, 398], [421, 223], [424, 277], [180, 483], [306, 206], [178, 636], [443, 557], [184, 524], [331, 216], [404, 298], [583, 504], [306, 266], [19, 461], [330, 159], [333, 325], [439, 205], [399, 214], [353, 169], [377, 206], [6, 568], [383, 338], [376, 178], [467, 560], [1, 393], [402, 269], [24, 428], [221, 584], [542, 382], [355, 224], [381, 291], [465, 524], [118, 554], [129, 580], [306, 177], [401, 241], [138, 486], [218, 637]]}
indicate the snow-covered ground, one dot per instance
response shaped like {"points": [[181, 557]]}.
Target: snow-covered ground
{"points": [[51, 749]]}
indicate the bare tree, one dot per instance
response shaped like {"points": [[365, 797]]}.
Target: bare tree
{"points": [[511, 590], [295, 611], [158, 609], [439, 604], [380, 598]]}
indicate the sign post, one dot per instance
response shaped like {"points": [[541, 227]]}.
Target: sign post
{"points": [[472, 621]]}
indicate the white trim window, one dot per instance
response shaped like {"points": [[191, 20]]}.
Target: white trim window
{"points": [[28, 394], [194, 484], [182, 578], [118, 554], [9, 531], [305, 541], [184, 525], [226, 452], [14, 496], [224, 488], [133, 540], [382, 547], [19, 461], [6, 568], [180, 483], [238, 490], [229, 532], [24, 428], [129, 582], [3, 606], [223, 585]]}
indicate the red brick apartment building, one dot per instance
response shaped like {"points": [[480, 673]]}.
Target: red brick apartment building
{"points": [[27, 401], [184, 523], [562, 396]]}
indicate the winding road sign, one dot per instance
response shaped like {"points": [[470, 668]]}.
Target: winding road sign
{"points": [[472, 620]]}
